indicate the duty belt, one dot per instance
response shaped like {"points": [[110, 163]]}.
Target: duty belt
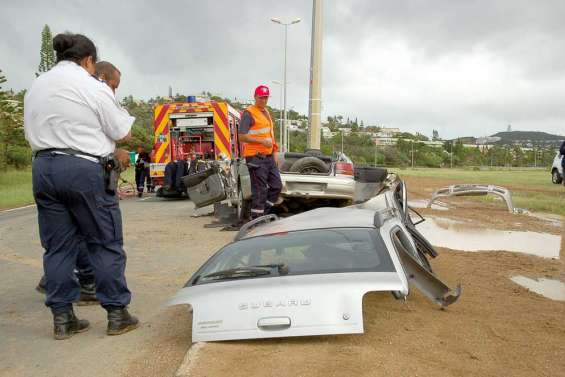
{"points": [[69, 151], [261, 155]]}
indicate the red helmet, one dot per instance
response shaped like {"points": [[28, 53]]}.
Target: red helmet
{"points": [[262, 91]]}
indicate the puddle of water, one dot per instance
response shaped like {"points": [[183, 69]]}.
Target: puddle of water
{"points": [[553, 220], [550, 288], [423, 203], [460, 235]]}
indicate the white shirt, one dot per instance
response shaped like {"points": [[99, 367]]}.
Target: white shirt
{"points": [[67, 108]]}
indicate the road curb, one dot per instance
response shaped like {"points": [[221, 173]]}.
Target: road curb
{"points": [[185, 369], [16, 209]]}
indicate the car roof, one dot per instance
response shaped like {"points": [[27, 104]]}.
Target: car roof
{"points": [[327, 217]]}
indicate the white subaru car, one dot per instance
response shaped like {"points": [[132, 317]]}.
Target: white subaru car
{"points": [[307, 274], [557, 169]]}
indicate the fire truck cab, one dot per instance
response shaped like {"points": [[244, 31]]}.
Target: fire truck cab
{"points": [[207, 130]]}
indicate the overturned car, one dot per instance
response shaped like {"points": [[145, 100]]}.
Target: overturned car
{"points": [[307, 274]]}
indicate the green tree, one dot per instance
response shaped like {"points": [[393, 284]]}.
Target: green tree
{"points": [[47, 53], [12, 141]]}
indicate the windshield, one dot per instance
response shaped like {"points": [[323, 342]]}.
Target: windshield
{"points": [[302, 252]]}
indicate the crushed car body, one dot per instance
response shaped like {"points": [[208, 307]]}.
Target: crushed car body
{"points": [[474, 190], [307, 274]]}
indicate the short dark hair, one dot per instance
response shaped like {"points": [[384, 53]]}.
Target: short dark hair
{"points": [[105, 68], [73, 47]]}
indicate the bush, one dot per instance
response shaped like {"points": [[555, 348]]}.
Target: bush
{"points": [[18, 156]]}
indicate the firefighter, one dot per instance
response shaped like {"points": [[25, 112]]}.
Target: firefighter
{"points": [[72, 122], [256, 133], [142, 170]]}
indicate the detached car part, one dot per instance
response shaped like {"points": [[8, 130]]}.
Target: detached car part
{"points": [[474, 190], [307, 274]]}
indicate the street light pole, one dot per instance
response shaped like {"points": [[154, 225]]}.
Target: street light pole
{"points": [[280, 113], [412, 154], [285, 24], [451, 156]]}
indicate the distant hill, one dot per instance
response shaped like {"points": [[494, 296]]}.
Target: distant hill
{"points": [[534, 137]]}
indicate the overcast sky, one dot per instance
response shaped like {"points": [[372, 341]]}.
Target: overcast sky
{"points": [[461, 67]]}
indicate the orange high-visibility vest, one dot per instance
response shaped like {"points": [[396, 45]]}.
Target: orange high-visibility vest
{"points": [[262, 128]]}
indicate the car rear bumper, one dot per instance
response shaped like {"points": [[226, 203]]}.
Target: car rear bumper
{"points": [[317, 186]]}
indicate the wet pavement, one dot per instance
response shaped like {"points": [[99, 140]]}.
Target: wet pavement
{"points": [[423, 203], [465, 236], [550, 288]]}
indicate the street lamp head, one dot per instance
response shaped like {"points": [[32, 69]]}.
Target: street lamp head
{"points": [[277, 82], [276, 20], [295, 21]]}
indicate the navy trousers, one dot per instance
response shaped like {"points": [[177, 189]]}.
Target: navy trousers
{"points": [[142, 178], [74, 210], [266, 183], [84, 272]]}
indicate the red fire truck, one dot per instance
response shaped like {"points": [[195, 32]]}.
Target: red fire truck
{"points": [[209, 131]]}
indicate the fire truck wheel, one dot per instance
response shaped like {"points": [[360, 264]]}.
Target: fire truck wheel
{"points": [[308, 165]]}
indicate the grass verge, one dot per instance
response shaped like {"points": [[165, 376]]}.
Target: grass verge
{"points": [[15, 188]]}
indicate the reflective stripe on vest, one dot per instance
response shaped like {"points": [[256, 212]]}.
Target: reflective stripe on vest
{"points": [[262, 128]]}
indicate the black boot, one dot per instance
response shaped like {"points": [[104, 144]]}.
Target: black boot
{"points": [[87, 295], [41, 285], [120, 321], [67, 324]]}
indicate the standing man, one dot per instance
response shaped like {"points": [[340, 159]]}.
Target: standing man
{"points": [[256, 133], [72, 122], [109, 74], [142, 164], [562, 153]]}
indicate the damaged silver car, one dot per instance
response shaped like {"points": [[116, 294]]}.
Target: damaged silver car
{"points": [[307, 274]]}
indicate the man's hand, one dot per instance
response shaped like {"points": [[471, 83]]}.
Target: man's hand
{"points": [[267, 143], [123, 158]]}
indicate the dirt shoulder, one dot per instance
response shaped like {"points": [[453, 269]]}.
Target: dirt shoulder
{"points": [[497, 328]]}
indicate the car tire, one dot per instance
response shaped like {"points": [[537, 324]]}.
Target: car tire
{"points": [[556, 177], [313, 152], [309, 165], [243, 209]]}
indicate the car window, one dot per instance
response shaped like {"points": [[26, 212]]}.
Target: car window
{"points": [[307, 252]]}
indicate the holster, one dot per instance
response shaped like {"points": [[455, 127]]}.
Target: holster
{"points": [[112, 170]]}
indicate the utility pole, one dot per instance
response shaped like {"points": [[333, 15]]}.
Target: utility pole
{"points": [[341, 140], [315, 100]]}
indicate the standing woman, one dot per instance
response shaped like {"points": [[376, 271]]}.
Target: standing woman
{"points": [[72, 122]]}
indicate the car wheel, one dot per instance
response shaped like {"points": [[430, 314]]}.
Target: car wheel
{"points": [[556, 177], [243, 208], [308, 165]]}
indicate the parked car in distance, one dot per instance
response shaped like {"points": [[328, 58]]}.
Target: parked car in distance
{"points": [[557, 169]]}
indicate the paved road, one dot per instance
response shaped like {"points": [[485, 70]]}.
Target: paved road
{"points": [[164, 245]]}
